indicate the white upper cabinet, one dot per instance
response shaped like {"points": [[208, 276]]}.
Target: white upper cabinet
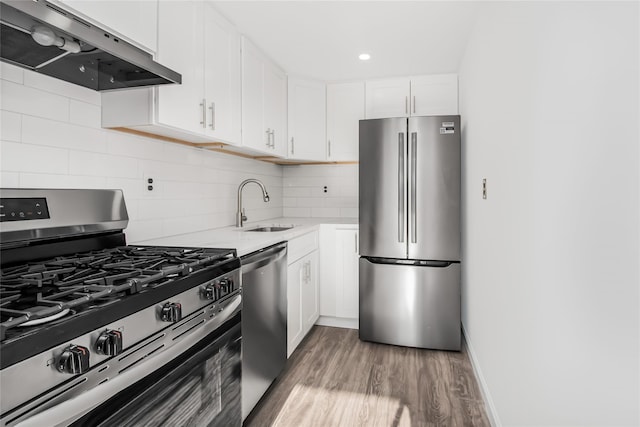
{"points": [[388, 98], [182, 49], [135, 20], [264, 102], [275, 85], [412, 96], [222, 77], [307, 119], [435, 95], [345, 108], [194, 40]]}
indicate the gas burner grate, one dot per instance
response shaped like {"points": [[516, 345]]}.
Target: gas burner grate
{"points": [[86, 280]]}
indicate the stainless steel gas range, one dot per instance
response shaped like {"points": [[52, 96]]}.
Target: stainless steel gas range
{"points": [[95, 332]]}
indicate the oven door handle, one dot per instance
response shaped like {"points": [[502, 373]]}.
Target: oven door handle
{"points": [[73, 409]]}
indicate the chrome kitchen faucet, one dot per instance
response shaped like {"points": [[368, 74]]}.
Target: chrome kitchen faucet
{"points": [[240, 216]]}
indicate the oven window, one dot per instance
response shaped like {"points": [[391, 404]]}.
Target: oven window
{"points": [[200, 388]]}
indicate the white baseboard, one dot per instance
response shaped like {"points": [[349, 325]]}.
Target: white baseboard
{"points": [[338, 322], [492, 414]]}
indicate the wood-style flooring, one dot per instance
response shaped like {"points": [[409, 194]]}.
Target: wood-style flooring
{"points": [[334, 379]]}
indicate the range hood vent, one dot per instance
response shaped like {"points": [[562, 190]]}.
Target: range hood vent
{"points": [[40, 36]]}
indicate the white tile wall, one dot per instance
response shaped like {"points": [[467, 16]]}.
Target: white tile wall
{"points": [[305, 196], [51, 138]]}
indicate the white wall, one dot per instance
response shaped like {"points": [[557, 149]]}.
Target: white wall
{"points": [[549, 103], [51, 138], [304, 194]]}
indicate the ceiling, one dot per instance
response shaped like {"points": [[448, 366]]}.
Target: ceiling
{"points": [[322, 39]]}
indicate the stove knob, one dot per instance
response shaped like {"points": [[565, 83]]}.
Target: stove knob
{"points": [[209, 292], [171, 312], [109, 343], [226, 286], [74, 360]]}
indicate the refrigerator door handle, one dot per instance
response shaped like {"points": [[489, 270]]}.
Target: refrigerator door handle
{"points": [[401, 187], [412, 186]]}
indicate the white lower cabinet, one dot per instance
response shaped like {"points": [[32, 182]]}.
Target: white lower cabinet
{"points": [[302, 288], [339, 276]]}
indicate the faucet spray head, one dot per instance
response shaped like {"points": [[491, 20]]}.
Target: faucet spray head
{"points": [[265, 197]]}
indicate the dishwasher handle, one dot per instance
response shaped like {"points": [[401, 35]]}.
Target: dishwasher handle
{"points": [[258, 259]]}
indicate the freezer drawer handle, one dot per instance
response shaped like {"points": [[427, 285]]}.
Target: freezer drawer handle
{"points": [[401, 188], [411, 262]]}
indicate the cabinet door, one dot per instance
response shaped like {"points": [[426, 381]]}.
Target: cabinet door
{"points": [[345, 107], [309, 294], [275, 107], [254, 129], [294, 308], [435, 95], [222, 77], [136, 20], [181, 47], [307, 124], [347, 273], [387, 98]]}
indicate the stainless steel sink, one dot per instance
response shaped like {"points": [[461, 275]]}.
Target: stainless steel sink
{"points": [[271, 229]]}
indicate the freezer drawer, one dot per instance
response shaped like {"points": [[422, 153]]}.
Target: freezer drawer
{"points": [[410, 305]]}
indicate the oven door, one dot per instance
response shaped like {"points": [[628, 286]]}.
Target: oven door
{"points": [[199, 387]]}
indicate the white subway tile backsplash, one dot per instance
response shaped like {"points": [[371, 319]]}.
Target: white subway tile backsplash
{"points": [[311, 202], [11, 73], [325, 212], [60, 87], [184, 224], [139, 230], [124, 144], [297, 212], [289, 202], [305, 194], [349, 212], [170, 171], [41, 131], [27, 100], [348, 191], [85, 114], [132, 188], [9, 179], [296, 191], [340, 202], [18, 157], [185, 155], [95, 164], [41, 180], [10, 126]]}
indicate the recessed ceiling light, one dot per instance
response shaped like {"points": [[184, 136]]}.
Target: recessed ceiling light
{"points": [[364, 56]]}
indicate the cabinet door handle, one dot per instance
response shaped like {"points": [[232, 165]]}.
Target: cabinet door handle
{"points": [[414, 104], [213, 116], [329, 149], [203, 122], [406, 105], [273, 138], [292, 146], [268, 138]]}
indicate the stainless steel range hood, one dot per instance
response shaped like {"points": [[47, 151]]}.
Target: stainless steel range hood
{"points": [[40, 36]]}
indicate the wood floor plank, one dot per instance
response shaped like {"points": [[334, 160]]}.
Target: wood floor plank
{"points": [[333, 379]]}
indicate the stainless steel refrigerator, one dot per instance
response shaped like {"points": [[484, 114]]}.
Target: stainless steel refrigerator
{"points": [[410, 231]]}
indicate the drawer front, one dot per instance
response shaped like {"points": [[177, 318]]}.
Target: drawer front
{"points": [[301, 246]]}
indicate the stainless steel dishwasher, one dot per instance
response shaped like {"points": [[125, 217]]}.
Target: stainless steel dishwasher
{"points": [[264, 321]]}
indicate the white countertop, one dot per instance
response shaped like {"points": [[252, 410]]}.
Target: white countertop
{"points": [[246, 242]]}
